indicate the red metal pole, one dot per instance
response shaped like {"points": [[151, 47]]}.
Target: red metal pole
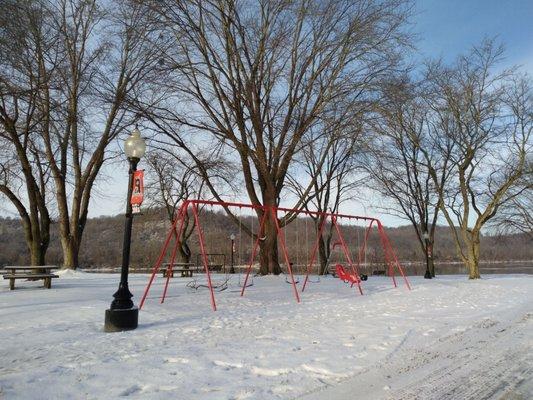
{"points": [[244, 205], [204, 254], [169, 271], [347, 254], [285, 254], [173, 256], [313, 255], [391, 251], [254, 250], [160, 259], [386, 252]]}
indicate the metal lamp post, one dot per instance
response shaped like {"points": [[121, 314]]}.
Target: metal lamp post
{"points": [[427, 275], [123, 315], [232, 268]]}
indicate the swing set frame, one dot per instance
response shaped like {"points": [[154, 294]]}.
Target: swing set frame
{"points": [[177, 227]]}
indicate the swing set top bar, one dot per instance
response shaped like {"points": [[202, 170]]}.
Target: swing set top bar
{"points": [[295, 210]]}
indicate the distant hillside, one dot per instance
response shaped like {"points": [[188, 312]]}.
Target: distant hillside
{"points": [[102, 244]]}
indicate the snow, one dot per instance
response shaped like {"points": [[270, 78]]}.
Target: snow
{"points": [[447, 338]]}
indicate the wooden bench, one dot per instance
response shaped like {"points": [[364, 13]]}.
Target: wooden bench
{"points": [[185, 272], [214, 267], [185, 269], [46, 277], [26, 273]]}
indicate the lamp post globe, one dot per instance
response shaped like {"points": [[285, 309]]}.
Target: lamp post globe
{"points": [[134, 145], [123, 315]]}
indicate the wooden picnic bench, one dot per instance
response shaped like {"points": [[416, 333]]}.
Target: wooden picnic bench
{"points": [[15, 272], [214, 267], [185, 269]]}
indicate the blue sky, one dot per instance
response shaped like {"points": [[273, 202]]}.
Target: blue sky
{"points": [[447, 28]]}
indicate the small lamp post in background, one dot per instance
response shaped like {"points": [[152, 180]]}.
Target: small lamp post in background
{"points": [[123, 315], [232, 268], [427, 275]]}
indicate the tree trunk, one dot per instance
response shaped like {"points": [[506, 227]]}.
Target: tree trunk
{"points": [[473, 269], [268, 249], [70, 253], [430, 260], [322, 255], [37, 253], [431, 263], [185, 252], [473, 256], [37, 245]]}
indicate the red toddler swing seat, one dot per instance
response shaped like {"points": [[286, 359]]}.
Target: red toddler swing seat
{"points": [[345, 276]]}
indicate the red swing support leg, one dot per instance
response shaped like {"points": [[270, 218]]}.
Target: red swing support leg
{"points": [[285, 253], [254, 250], [392, 259], [178, 233], [157, 264], [204, 254], [347, 254], [315, 248], [387, 254]]}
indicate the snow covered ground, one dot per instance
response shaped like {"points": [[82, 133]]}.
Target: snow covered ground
{"points": [[447, 338]]}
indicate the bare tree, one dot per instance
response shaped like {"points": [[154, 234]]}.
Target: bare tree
{"points": [[176, 178], [398, 166], [24, 173], [257, 76], [65, 89], [94, 57], [516, 215], [334, 180], [485, 120]]}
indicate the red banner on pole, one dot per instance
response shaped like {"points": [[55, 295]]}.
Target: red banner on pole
{"points": [[137, 193]]}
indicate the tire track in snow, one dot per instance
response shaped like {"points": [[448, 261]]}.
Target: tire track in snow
{"points": [[488, 360]]}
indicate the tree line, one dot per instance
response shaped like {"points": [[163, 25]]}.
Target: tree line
{"points": [[305, 102], [101, 247]]}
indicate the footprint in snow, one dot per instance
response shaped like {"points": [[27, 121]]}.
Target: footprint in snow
{"points": [[131, 390], [243, 394], [172, 360], [269, 372], [226, 365]]}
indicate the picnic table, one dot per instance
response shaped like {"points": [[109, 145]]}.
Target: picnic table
{"points": [[184, 268], [30, 272]]}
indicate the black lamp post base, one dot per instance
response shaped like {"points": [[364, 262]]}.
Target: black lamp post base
{"points": [[118, 320]]}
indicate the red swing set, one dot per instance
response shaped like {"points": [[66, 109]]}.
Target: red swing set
{"points": [[352, 275]]}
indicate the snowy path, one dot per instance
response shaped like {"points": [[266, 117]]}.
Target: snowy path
{"points": [[490, 359], [448, 338]]}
